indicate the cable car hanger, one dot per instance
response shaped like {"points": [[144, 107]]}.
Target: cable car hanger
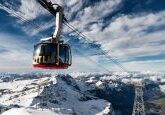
{"points": [[51, 52]]}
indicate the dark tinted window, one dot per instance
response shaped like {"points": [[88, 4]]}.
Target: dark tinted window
{"points": [[62, 54], [37, 50], [51, 50], [45, 49], [69, 56], [65, 54]]}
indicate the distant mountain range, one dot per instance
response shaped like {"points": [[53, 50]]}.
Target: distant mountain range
{"points": [[78, 93]]}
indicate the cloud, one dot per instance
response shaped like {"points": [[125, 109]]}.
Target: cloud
{"points": [[92, 13], [26, 18], [88, 64], [148, 61], [28, 9], [75, 10], [33, 28], [125, 36], [156, 65], [16, 56]]}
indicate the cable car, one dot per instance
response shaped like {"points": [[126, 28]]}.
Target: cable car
{"points": [[48, 55], [52, 53]]}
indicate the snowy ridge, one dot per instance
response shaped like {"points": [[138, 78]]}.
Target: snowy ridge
{"points": [[74, 93], [59, 94]]}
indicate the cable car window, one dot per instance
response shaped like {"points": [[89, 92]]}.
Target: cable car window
{"points": [[47, 50], [37, 50], [42, 52], [62, 55], [67, 54], [50, 50], [70, 56]]}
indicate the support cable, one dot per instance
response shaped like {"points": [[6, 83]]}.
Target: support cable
{"points": [[86, 38]]}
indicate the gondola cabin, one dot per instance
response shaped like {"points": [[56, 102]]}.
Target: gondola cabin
{"points": [[48, 55], [51, 53]]}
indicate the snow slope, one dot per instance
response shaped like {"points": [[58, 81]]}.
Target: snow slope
{"points": [[23, 111], [74, 93], [58, 94]]}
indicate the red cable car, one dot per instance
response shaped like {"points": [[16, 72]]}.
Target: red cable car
{"points": [[51, 53]]}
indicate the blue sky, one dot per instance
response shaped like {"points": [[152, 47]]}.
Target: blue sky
{"points": [[131, 31]]}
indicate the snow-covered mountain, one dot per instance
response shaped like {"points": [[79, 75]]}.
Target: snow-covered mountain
{"points": [[75, 93], [59, 94]]}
